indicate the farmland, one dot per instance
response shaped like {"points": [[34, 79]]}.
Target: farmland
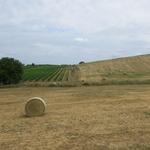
{"points": [[117, 71], [82, 117], [77, 118], [130, 70], [49, 73]]}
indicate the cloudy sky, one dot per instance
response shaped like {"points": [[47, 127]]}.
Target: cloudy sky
{"points": [[68, 31]]}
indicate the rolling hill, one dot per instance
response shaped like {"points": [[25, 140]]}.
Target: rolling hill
{"points": [[128, 69]]}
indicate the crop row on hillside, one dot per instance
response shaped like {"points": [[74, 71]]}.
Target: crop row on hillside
{"points": [[46, 73]]}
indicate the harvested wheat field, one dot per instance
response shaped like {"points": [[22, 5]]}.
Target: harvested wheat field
{"points": [[122, 69], [77, 118]]}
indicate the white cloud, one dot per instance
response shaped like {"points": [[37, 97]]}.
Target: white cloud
{"points": [[100, 27], [79, 39], [85, 16]]}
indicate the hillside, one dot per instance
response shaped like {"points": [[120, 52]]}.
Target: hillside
{"points": [[135, 68], [116, 71]]}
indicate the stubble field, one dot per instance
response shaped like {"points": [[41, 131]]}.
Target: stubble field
{"points": [[77, 118]]}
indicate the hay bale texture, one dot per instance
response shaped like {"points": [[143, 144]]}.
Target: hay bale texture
{"points": [[35, 107]]}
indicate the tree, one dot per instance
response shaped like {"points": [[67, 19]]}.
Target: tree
{"points": [[11, 71], [81, 62], [32, 64]]}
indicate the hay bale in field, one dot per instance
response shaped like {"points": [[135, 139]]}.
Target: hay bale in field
{"points": [[35, 107]]}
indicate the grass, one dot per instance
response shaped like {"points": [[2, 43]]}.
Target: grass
{"points": [[123, 74], [48, 74], [83, 118], [107, 81], [43, 72], [147, 113], [37, 72]]}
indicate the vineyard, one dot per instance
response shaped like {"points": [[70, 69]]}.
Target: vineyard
{"points": [[49, 73]]}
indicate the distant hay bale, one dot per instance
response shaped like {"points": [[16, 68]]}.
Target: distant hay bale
{"points": [[35, 107]]}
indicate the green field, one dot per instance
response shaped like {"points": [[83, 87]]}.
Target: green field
{"points": [[46, 73], [50, 73]]}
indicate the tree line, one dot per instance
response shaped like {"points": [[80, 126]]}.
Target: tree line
{"points": [[11, 71]]}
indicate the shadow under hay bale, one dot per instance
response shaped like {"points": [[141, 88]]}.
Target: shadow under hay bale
{"points": [[35, 107]]}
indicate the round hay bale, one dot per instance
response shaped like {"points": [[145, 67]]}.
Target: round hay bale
{"points": [[35, 107]]}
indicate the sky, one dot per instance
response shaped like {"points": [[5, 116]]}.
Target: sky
{"points": [[70, 31]]}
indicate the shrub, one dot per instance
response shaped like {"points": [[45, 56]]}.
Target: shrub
{"points": [[11, 71]]}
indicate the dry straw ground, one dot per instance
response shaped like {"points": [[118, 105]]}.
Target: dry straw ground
{"points": [[77, 118], [128, 69]]}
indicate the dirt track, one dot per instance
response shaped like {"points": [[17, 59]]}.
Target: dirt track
{"points": [[80, 118]]}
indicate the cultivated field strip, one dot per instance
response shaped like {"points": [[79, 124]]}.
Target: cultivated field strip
{"points": [[52, 75], [66, 75], [55, 77], [49, 73]]}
